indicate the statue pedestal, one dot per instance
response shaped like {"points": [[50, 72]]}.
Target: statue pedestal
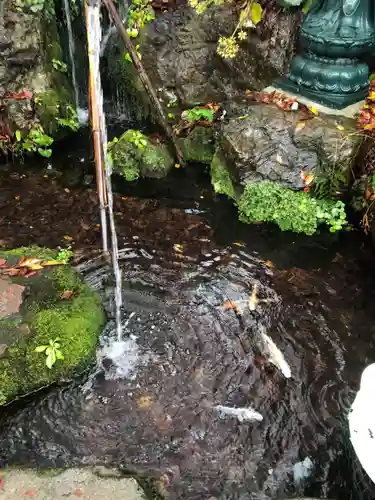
{"points": [[347, 112], [333, 101]]}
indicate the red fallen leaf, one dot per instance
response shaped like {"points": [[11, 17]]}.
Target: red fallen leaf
{"points": [[2, 482], [229, 304], [30, 493], [67, 294], [30, 274], [19, 96], [3, 262], [12, 271], [78, 492]]}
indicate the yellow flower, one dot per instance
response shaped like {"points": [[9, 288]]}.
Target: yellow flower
{"points": [[227, 47], [242, 35]]}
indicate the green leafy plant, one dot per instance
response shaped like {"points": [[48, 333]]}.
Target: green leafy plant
{"points": [[138, 139], [197, 114], [44, 7], [64, 255], [140, 14], [70, 119], [52, 352], [59, 65], [127, 55], [290, 210], [36, 141]]}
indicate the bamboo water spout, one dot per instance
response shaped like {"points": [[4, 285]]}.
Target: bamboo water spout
{"points": [[98, 146]]}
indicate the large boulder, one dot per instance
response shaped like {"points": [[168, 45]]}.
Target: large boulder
{"points": [[267, 159], [36, 309], [179, 54], [262, 142]]}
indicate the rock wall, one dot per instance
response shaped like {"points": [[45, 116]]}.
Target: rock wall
{"points": [[29, 44], [179, 53]]}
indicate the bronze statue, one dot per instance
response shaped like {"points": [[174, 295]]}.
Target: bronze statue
{"points": [[335, 37]]}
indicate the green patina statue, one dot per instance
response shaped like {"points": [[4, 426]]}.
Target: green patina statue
{"points": [[336, 36]]}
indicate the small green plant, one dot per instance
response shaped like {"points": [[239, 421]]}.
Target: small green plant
{"points": [[138, 139], [197, 114], [52, 352], [59, 65], [140, 14], [70, 120], [127, 55], [44, 7], [36, 141], [64, 255], [332, 215]]}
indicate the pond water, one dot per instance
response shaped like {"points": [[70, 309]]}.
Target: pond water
{"points": [[153, 408]]}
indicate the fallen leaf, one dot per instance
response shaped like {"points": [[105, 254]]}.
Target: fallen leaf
{"points": [[314, 110], [31, 263], [30, 493], [2, 262], [300, 125], [269, 264], [30, 274], [144, 402], [17, 198], [46, 263], [2, 482], [238, 244], [66, 294], [230, 305], [78, 492], [68, 238], [339, 127], [178, 248], [177, 165]]}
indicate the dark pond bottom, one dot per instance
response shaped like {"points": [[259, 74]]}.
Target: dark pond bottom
{"points": [[154, 402]]}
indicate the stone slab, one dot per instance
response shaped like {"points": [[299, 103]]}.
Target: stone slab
{"points": [[72, 483], [10, 297], [348, 112]]}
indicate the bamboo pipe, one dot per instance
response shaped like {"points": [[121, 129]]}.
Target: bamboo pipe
{"points": [[143, 76], [98, 145]]}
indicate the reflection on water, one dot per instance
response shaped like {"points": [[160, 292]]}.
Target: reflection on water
{"points": [[151, 404]]}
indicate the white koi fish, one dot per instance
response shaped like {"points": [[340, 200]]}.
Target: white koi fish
{"points": [[242, 414], [274, 355]]}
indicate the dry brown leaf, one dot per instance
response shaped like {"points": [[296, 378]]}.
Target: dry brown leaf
{"points": [[67, 294], [230, 305]]}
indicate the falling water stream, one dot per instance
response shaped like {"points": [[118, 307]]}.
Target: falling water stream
{"points": [[81, 113]]}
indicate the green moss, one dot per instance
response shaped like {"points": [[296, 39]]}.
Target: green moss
{"points": [[199, 145], [290, 210], [140, 159], [77, 322], [220, 177]]}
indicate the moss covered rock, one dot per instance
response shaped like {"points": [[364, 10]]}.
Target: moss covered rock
{"points": [[220, 177], [199, 145], [46, 313], [134, 156]]}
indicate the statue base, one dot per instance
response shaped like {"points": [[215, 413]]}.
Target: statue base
{"points": [[330, 100]]}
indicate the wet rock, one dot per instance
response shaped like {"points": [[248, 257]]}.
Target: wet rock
{"points": [[29, 42], [179, 54], [266, 143], [33, 313], [71, 483], [10, 297], [134, 156], [199, 145]]}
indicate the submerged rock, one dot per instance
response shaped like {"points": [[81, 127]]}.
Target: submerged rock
{"points": [[70, 483], [134, 156], [54, 304]]}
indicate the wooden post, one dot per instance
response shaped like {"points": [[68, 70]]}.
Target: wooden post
{"points": [[143, 76]]}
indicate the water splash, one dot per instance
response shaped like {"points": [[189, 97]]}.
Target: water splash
{"points": [[94, 32], [82, 114]]}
